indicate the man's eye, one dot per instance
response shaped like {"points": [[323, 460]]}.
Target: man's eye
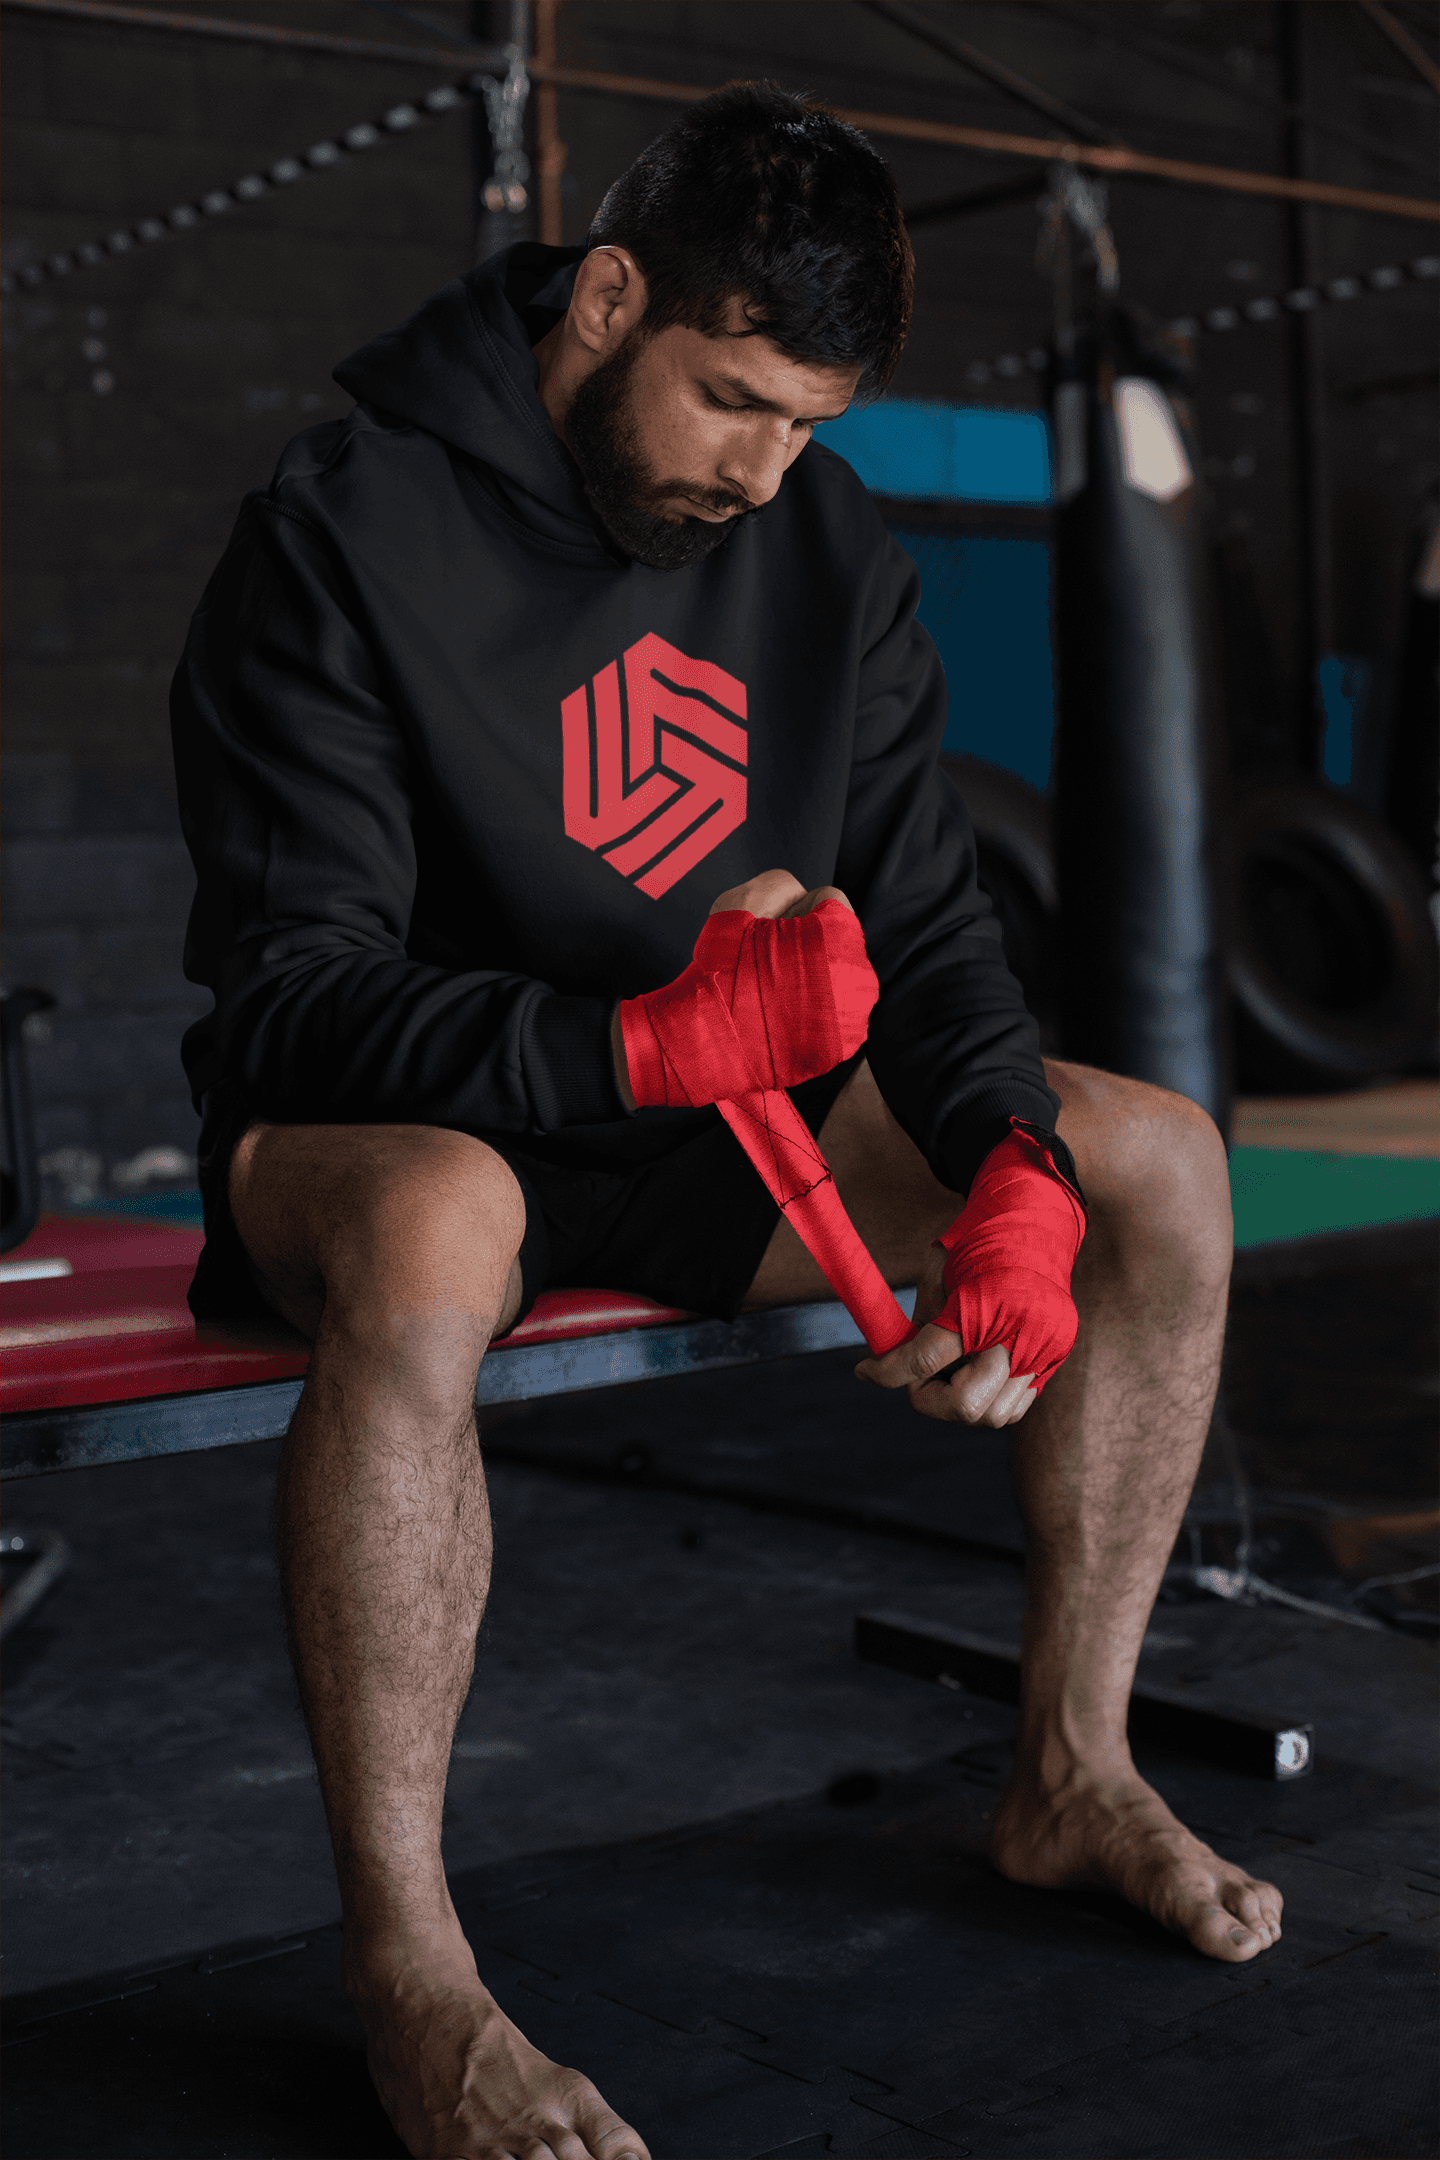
{"points": [[723, 404]]}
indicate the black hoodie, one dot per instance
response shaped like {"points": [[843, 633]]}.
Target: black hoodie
{"points": [[455, 777]]}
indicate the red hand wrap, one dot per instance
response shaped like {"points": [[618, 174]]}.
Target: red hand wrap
{"points": [[764, 1003], [1009, 1255]]}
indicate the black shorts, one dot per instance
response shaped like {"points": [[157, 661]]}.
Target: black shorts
{"points": [[688, 1229]]}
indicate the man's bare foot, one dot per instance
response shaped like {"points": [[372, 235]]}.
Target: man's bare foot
{"points": [[1116, 1833], [458, 2080]]}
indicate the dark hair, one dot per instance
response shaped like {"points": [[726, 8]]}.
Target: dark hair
{"points": [[754, 193]]}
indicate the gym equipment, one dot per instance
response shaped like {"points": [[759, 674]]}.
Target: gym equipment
{"points": [[1138, 760], [548, 77], [1223, 318], [1333, 959], [1412, 793], [105, 1363], [1270, 1747]]}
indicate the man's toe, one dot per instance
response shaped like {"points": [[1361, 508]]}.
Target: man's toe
{"points": [[1257, 1906], [608, 2138], [1223, 1934]]}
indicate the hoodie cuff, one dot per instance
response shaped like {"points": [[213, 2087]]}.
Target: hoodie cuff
{"points": [[969, 1133], [569, 1063]]}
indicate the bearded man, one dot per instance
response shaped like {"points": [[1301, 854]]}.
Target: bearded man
{"points": [[565, 629]]}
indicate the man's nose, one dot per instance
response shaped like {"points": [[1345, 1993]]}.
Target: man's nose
{"points": [[758, 468]]}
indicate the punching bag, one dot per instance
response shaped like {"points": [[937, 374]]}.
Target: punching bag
{"points": [[1139, 767], [1412, 789]]}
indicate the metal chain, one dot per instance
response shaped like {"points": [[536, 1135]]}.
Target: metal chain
{"points": [[505, 118], [505, 106], [255, 186], [1266, 308], [1071, 195]]}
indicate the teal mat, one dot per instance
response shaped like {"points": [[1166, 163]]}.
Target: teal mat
{"points": [[1278, 1193], [180, 1208], [1281, 1193]]}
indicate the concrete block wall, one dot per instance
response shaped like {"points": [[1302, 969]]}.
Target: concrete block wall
{"points": [[143, 399], [146, 396]]}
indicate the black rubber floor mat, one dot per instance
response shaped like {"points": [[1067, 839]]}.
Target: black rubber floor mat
{"points": [[812, 1441], [828, 1979]]}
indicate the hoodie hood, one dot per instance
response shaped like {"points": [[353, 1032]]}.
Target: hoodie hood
{"points": [[463, 369]]}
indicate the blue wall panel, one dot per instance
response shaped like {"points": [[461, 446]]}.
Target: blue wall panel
{"points": [[985, 599], [945, 453]]}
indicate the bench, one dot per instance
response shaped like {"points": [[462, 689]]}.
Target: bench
{"points": [[104, 1363]]}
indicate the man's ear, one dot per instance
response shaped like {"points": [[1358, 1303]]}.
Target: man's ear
{"points": [[608, 300]]}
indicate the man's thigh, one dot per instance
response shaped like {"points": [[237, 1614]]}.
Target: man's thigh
{"points": [[389, 1218], [1148, 1161]]}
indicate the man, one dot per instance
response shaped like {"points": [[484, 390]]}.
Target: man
{"points": [[563, 631]]}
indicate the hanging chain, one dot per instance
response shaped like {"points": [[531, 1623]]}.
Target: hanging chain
{"points": [[505, 101], [254, 186], [505, 105], [1073, 199], [1266, 308]]}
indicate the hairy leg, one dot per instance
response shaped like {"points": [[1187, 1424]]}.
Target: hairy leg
{"points": [[395, 1248], [1103, 1464]]}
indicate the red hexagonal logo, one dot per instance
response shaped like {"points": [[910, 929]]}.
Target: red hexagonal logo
{"points": [[655, 762]]}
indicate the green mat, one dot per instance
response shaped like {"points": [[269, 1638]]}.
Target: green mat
{"points": [[1278, 1193], [1281, 1193]]}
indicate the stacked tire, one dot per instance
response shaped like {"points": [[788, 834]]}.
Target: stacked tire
{"points": [[1333, 965]]}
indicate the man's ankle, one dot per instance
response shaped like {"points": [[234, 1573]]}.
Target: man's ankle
{"points": [[1056, 1758], [383, 1951]]}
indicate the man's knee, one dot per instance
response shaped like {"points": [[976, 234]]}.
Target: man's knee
{"points": [[390, 1229], [1153, 1168]]}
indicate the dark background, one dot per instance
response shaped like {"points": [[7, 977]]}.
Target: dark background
{"points": [[146, 395]]}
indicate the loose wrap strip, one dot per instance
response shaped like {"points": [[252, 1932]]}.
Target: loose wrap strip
{"points": [[764, 1004]]}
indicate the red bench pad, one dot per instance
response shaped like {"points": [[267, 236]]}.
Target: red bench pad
{"points": [[118, 1328]]}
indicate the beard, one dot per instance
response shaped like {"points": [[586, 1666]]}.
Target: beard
{"points": [[624, 490]]}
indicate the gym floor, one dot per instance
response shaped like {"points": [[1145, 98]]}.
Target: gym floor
{"points": [[705, 1852]]}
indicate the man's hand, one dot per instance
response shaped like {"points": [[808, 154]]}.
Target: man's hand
{"points": [[941, 1383], [775, 893], [999, 1280], [757, 1008]]}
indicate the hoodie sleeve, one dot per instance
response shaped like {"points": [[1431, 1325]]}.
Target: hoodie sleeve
{"points": [[296, 801], [953, 1049]]}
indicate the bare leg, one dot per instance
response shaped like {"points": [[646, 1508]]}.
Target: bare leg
{"points": [[395, 1248], [1103, 1465]]}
